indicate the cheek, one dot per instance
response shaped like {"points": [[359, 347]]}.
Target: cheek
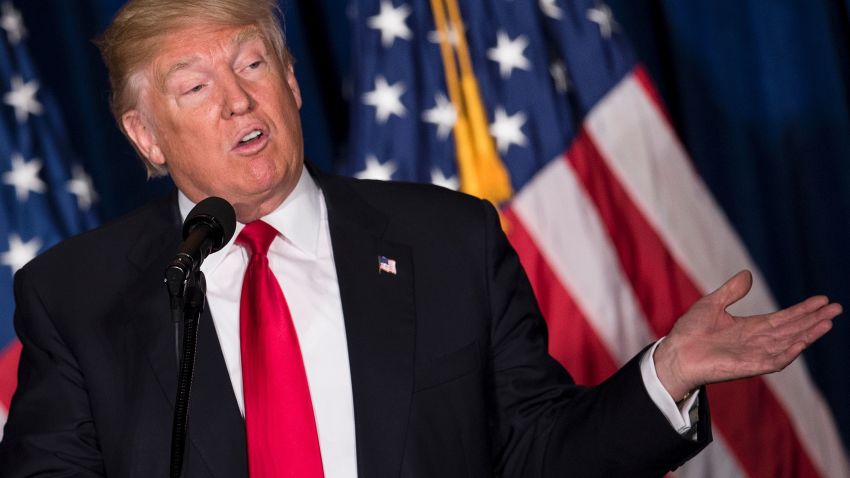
{"points": [[192, 124], [197, 140]]}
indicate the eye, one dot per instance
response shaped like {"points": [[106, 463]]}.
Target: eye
{"points": [[255, 65], [195, 89]]}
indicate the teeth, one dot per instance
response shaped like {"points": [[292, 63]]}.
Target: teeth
{"points": [[251, 135]]}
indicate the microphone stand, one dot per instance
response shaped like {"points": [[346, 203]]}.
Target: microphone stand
{"points": [[207, 228], [186, 307]]}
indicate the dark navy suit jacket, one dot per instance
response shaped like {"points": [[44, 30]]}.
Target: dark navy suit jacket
{"points": [[448, 357]]}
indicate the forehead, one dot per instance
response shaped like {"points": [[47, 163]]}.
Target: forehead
{"points": [[186, 46]]}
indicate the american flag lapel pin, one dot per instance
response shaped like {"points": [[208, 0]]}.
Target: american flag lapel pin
{"points": [[385, 264]]}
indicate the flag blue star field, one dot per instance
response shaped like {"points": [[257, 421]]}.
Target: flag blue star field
{"points": [[44, 194], [542, 108]]}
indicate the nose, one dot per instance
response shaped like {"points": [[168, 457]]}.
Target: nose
{"points": [[237, 100]]}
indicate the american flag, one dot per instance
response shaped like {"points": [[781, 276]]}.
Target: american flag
{"points": [[542, 107], [45, 194], [386, 264]]}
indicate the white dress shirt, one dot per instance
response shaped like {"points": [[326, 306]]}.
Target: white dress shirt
{"points": [[302, 260]]}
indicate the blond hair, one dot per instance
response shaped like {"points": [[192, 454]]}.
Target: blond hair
{"points": [[132, 39]]}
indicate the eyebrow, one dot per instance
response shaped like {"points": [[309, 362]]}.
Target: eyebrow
{"points": [[180, 65], [243, 36]]}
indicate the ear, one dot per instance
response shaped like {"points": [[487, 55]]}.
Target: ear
{"points": [[142, 136], [293, 84]]}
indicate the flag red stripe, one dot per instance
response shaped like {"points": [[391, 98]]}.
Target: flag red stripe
{"points": [[572, 341], [9, 372], [746, 413], [643, 257], [758, 431]]}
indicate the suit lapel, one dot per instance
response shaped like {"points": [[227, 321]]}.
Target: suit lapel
{"points": [[379, 321], [216, 428]]}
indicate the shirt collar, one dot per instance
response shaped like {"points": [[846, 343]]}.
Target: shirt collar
{"points": [[297, 219]]}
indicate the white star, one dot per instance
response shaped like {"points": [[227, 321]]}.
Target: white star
{"points": [[508, 129], [12, 22], [440, 179], [376, 170], [20, 252], [386, 99], [508, 53], [602, 16], [451, 36], [391, 22], [443, 115], [550, 9], [558, 70], [24, 177], [81, 186], [22, 98]]}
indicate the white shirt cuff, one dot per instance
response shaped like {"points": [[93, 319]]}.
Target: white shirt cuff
{"points": [[679, 415]]}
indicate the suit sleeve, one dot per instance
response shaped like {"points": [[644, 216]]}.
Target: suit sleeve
{"points": [[50, 431], [545, 424]]}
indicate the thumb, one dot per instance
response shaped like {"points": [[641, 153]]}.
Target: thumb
{"points": [[734, 289]]}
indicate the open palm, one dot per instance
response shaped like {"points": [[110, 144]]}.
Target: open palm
{"points": [[709, 345]]}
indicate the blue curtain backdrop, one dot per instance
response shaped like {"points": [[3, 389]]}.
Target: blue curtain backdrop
{"points": [[758, 90]]}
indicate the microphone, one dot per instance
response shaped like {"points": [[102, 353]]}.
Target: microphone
{"points": [[208, 227]]}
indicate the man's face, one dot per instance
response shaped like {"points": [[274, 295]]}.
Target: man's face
{"points": [[221, 113]]}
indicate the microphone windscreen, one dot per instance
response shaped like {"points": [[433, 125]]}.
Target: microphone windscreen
{"points": [[218, 214]]}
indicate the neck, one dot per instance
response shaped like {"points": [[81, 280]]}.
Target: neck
{"points": [[248, 212]]}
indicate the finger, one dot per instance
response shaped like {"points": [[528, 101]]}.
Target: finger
{"points": [[734, 289], [797, 310], [808, 331], [775, 340], [793, 329], [792, 352]]}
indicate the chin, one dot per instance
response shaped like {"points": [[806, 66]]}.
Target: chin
{"points": [[262, 180], [262, 189]]}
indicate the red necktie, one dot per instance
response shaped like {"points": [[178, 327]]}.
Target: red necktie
{"points": [[279, 421]]}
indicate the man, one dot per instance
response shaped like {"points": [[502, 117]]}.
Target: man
{"points": [[418, 345]]}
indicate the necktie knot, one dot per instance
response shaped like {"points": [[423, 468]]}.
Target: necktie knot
{"points": [[257, 236]]}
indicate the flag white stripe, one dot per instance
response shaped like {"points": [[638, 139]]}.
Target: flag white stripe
{"points": [[563, 221], [3, 415], [654, 169]]}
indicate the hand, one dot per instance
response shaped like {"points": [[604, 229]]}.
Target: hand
{"points": [[708, 345]]}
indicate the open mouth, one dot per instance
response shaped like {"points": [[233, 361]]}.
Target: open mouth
{"points": [[252, 136], [252, 141]]}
